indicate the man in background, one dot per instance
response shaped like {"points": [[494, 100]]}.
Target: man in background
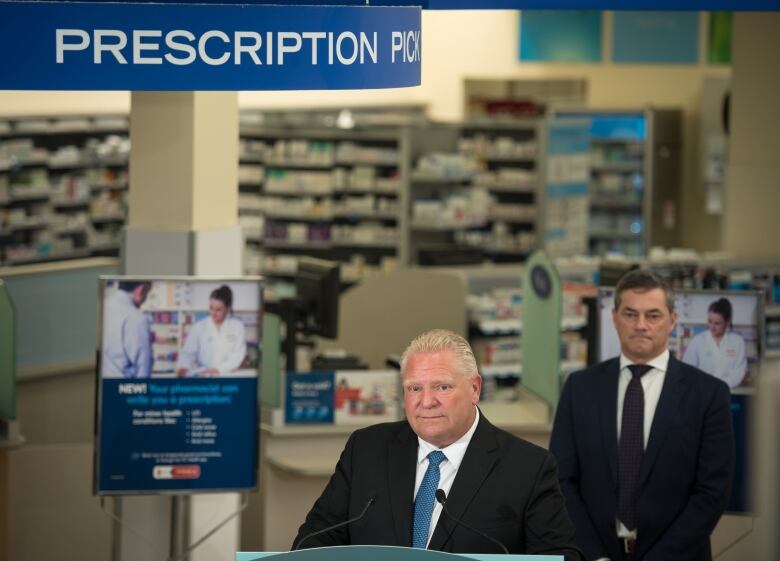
{"points": [[644, 442], [394, 477], [127, 347]]}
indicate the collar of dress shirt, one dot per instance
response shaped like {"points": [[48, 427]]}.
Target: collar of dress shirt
{"points": [[661, 362], [454, 451]]}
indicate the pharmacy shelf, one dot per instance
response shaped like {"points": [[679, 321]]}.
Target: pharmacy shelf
{"points": [[422, 178], [621, 167], [360, 215], [285, 244], [475, 160], [297, 193], [628, 180], [616, 236], [46, 152], [515, 326], [772, 310], [509, 369], [498, 158], [616, 205], [30, 259], [75, 203], [516, 369], [118, 186], [365, 244], [364, 161], [29, 196], [298, 164], [507, 187], [76, 230], [107, 218], [381, 192], [379, 163], [432, 227], [32, 224], [287, 216]]}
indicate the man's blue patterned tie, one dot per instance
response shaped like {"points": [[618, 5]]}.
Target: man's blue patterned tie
{"points": [[426, 495]]}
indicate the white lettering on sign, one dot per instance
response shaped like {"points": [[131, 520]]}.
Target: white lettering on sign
{"points": [[172, 44], [129, 388], [64, 45], [204, 54], [139, 46], [182, 47], [242, 46], [283, 48], [116, 42], [408, 44], [314, 36]]}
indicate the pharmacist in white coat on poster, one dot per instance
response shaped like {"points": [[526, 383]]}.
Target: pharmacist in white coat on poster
{"points": [[719, 351], [215, 345]]}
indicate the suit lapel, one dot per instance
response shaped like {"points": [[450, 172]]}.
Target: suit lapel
{"points": [[401, 471], [477, 463], [608, 394], [665, 412]]}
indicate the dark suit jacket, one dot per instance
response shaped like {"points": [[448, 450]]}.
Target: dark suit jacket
{"points": [[686, 471], [505, 486]]}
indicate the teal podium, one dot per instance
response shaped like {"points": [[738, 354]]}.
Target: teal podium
{"points": [[383, 553]]}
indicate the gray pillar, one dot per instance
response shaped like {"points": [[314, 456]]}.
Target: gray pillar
{"points": [[182, 220]]}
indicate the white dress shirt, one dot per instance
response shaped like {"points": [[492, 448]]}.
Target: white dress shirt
{"points": [[448, 469]]}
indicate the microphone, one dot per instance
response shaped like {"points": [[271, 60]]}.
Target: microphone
{"points": [[442, 498], [369, 502]]}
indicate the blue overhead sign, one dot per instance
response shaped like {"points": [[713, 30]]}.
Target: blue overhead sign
{"points": [[145, 46], [617, 5]]}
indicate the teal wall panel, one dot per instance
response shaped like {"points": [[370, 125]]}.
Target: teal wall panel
{"points": [[56, 315]]}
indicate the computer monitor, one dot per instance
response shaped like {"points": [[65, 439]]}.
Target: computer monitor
{"points": [[736, 317], [318, 288]]}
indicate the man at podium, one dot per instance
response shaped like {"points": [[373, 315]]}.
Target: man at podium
{"points": [[445, 478]]}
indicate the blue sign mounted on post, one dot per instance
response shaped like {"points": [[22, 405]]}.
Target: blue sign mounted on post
{"points": [[144, 46]]}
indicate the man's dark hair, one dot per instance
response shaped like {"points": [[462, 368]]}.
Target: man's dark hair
{"points": [[129, 286], [224, 295], [642, 281], [722, 307]]}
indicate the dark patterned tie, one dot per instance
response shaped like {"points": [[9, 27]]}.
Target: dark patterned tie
{"points": [[631, 446]]}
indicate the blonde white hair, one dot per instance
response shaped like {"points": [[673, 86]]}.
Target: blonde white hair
{"points": [[440, 340]]}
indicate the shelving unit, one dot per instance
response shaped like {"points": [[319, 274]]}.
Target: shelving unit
{"points": [[326, 192], [307, 187], [509, 155], [474, 193], [62, 187], [494, 299], [634, 179]]}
